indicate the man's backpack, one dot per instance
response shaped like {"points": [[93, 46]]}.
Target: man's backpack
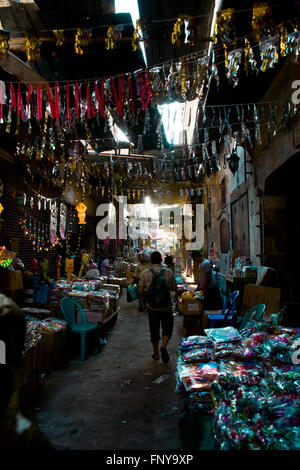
{"points": [[158, 294]]}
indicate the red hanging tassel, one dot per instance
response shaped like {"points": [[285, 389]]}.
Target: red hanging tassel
{"points": [[56, 92], [52, 107], [19, 104], [39, 102], [13, 102], [144, 85], [131, 94], [100, 99], [29, 100], [118, 98], [77, 95], [89, 104], [68, 101]]}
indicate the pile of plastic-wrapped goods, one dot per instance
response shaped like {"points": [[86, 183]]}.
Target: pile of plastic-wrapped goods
{"points": [[250, 384]]}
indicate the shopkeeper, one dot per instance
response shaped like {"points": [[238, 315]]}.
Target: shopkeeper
{"points": [[107, 266], [206, 280]]}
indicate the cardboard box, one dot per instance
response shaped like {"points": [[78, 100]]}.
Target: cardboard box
{"points": [[253, 295], [11, 280], [192, 307]]}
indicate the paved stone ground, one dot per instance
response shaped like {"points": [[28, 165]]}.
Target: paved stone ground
{"points": [[109, 402]]}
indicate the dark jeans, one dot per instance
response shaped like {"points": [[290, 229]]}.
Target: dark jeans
{"points": [[164, 319]]}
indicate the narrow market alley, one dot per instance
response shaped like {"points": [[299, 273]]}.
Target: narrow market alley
{"points": [[110, 401]]}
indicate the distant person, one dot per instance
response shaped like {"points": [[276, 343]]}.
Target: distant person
{"points": [[169, 263], [140, 268], [107, 266], [206, 280], [157, 283], [101, 258]]}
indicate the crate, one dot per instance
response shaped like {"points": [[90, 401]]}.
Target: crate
{"points": [[192, 324]]}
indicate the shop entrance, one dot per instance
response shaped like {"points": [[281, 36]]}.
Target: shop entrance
{"points": [[281, 232]]}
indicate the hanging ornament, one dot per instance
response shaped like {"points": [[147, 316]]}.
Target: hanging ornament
{"points": [[262, 22], [268, 53], [59, 36], [177, 31], [233, 67], [81, 211], [83, 38], [1, 209], [189, 31], [4, 45], [113, 37], [249, 61], [140, 33], [32, 47]]}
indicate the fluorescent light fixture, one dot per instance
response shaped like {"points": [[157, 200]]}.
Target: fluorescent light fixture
{"points": [[132, 7]]}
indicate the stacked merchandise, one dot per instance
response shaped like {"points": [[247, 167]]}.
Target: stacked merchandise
{"points": [[98, 301], [33, 333], [80, 296], [249, 384], [120, 281], [121, 268]]}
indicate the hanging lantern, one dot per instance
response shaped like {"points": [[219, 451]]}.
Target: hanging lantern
{"points": [[233, 162], [4, 38], [1, 209], [81, 211]]}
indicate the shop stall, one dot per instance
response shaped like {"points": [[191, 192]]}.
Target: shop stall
{"points": [[249, 384]]}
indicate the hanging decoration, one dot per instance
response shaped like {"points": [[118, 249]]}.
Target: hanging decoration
{"points": [[62, 221], [224, 31], [69, 268], [140, 33], [59, 36], [249, 60], [268, 53], [113, 37], [262, 22], [234, 63], [32, 48], [189, 31], [4, 44], [177, 31], [82, 40], [184, 26], [53, 224], [81, 211], [1, 209]]}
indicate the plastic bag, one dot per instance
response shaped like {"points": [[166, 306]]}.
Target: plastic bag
{"points": [[132, 293]]}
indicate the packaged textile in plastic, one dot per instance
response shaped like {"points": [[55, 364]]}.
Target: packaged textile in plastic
{"points": [[198, 355], [223, 335], [198, 376], [192, 342]]}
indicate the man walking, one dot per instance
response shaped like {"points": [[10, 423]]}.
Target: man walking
{"points": [[157, 283]]}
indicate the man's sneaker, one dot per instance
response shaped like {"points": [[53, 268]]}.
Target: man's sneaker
{"points": [[164, 355]]}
